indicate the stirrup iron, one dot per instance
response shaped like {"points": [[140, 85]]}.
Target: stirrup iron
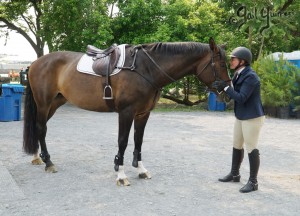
{"points": [[108, 93]]}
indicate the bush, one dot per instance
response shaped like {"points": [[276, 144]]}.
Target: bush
{"points": [[277, 81], [297, 103]]}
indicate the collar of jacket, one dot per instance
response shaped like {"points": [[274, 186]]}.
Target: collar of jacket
{"points": [[245, 70]]}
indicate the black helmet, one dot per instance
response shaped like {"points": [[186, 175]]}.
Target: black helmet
{"points": [[242, 53]]}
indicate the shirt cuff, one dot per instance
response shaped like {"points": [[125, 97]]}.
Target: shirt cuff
{"points": [[226, 88]]}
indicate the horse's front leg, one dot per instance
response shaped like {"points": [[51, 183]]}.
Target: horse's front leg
{"points": [[139, 128], [125, 123]]}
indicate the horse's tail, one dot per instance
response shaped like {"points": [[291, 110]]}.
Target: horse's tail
{"points": [[30, 138]]}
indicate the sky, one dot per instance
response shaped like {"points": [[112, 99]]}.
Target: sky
{"points": [[17, 46]]}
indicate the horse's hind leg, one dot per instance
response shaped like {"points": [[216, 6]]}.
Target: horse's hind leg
{"points": [[36, 160], [42, 118], [41, 132], [139, 128]]}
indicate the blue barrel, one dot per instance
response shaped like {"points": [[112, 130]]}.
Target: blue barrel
{"points": [[212, 101], [214, 104], [220, 106], [11, 102]]}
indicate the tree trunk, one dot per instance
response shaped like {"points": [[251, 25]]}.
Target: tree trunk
{"points": [[261, 47]]}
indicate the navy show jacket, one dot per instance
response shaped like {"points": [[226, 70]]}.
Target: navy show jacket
{"points": [[246, 95]]}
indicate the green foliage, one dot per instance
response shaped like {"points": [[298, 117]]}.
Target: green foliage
{"points": [[12, 10], [17, 16], [187, 20], [266, 26], [192, 21], [297, 103], [277, 81], [296, 93], [73, 24], [136, 21]]}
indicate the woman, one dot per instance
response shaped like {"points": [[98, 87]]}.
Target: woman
{"points": [[249, 115]]}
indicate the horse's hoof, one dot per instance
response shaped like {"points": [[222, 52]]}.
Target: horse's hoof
{"points": [[37, 161], [145, 175], [51, 169], [123, 182]]}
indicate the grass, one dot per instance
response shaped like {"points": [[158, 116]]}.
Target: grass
{"points": [[165, 105]]}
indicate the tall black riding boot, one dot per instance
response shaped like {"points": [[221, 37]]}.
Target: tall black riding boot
{"points": [[237, 158], [254, 162]]}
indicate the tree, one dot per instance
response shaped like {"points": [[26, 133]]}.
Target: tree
{"points": [[73, 24], [267, 26], [63, 25], [136, 21], [24, 17], [192, 21]]}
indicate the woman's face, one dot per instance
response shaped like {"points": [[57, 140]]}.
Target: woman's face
{"points": [[234, 62]]}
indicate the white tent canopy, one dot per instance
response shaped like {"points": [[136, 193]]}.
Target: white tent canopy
{"points": [[295, 55]]}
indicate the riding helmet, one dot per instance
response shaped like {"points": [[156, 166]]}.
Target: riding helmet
{"points": [[242, 53]]}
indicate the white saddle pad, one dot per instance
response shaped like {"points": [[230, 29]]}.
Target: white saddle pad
{"points": [[85, 63]]}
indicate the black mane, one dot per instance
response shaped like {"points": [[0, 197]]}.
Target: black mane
{"points": [[174, 48]]}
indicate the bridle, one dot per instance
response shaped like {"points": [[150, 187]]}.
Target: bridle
{"points": [[210, 63], [214, 70]]}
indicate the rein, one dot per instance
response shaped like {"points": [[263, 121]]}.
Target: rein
{"points": [[161, 70], [211, 62], [132, 67]]}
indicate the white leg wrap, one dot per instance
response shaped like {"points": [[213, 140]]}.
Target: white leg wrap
{"points": [[36, 156], [141, 168], [121, 173]]}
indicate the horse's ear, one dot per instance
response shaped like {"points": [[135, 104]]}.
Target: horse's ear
{"points": [[213, 45]]}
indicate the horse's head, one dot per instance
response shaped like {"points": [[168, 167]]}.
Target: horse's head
{"points": [[214, 66]]}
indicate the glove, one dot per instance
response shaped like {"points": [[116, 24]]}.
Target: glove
{"points": [[219, 85]]}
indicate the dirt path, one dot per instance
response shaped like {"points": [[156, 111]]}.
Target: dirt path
{"points": [[185, 152]]}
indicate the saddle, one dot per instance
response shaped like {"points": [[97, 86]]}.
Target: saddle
{"points": [[104, 60]]}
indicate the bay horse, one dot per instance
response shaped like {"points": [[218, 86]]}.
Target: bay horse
{"points": [[54, 80]]}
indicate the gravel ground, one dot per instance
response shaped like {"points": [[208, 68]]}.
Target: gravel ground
{"points": [[185, 152]]}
